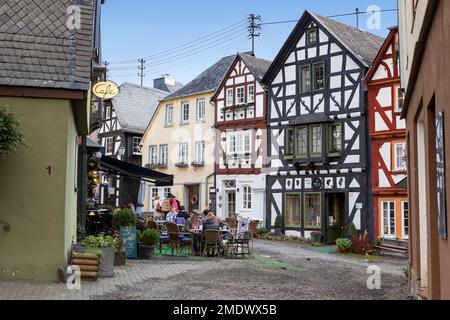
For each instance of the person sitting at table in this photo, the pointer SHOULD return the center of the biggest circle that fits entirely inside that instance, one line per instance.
(205, 214)
(183, 213)
(222, 225)
(171, 216)
(194, 225)
(211, 222)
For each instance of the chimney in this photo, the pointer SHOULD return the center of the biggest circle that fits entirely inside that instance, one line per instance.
(164, 82)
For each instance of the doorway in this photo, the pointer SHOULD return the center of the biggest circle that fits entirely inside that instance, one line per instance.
(193, 197)
(335, 215)
(231, 203)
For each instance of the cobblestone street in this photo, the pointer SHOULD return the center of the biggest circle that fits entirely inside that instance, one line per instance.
(278, 271)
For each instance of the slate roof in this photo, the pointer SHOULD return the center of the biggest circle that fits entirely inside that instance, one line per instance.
(172, 89)
(258, 67)
(37, 49)
(207, 81)
(135, 106)
(364, 45)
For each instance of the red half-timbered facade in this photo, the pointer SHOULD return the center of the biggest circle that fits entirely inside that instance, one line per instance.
(241, 124)
(388, 143)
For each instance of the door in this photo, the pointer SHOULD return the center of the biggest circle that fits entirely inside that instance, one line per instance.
(335, 204)
(194, 198)
(231, 203)
(388, 220)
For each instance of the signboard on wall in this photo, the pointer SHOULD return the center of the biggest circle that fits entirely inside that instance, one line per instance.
(440, 175)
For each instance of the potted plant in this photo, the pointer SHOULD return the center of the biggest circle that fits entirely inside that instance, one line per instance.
(125, 220)
(106, 244)
(316, 236)
(278, 226)
(344, 245)
(148, 241)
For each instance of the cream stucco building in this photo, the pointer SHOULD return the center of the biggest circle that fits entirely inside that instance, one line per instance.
(180, 141)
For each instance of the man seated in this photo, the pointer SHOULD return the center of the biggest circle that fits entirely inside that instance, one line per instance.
(211, 222)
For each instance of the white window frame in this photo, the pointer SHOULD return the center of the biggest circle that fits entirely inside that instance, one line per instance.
(107, 139)
(163, 154)
(137, 146)
(153, 155)
(403, 220)
(247, 197)
(200, 152)
(389, 234)
(240, 100)
(184, 106)
(108, 112)
(251, 95)
(201, 109)
(229, 95)
(397, 90)
(183, 153)
(237, 142)
(396, 156)
(169, 115)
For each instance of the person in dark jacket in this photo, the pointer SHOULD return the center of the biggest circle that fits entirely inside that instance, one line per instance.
(183, 213)
(211, 222)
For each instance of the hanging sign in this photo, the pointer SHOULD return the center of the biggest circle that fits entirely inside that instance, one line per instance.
(105, 90)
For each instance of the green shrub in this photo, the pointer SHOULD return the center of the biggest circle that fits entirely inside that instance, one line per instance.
(262, 231)
(352, 230)
(99, 253)
(344, 243)
(149, 237)
(100, 241)
(11, 135)
(125, 217)
(139, 235)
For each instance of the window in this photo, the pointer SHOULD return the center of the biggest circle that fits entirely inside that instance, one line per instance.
(109, 144)
(305, 78)
(185, 112)
(163, 154)
(167, 191)
(230, 184)
(319, 76)
(200, 109)
(302, 141)
(316, 140)
(240, 95)
(335, 139)
(290, 142)
(312, 212)
(239, 142)
(137, 145)
(399, 156)
(311, 36)
(247, 194)
(108, 113)
(405, 218)
(293, 210)
(152, 155)
(169, 115)
(230, 97)
(154, 192)
(399, 98)
(388, 208)
(200, 152)
(251, 93)
(183, 153)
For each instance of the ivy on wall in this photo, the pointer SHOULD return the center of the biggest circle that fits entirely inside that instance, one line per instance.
(11, 135)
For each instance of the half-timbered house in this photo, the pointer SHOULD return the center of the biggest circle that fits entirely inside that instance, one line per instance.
(241, 129)
(124, 121)
(318, 180)
(388, 143)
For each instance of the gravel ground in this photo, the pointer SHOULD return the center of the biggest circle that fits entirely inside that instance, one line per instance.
(280, 271)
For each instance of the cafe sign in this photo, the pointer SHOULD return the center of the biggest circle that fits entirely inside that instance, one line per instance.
(105, 90)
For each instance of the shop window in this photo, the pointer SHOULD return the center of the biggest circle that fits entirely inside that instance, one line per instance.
(293, 210)
(312, 213)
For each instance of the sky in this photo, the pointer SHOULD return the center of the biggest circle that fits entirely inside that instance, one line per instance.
(184, 37)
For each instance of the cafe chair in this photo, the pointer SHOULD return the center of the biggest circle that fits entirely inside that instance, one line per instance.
(244, 244)
(211, 240)
(178, 240)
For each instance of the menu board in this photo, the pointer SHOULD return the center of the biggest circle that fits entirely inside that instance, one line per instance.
(129, 237)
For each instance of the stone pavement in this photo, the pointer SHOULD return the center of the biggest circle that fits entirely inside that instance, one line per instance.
(135, 272)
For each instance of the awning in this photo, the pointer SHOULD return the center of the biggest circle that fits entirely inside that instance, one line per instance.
(123, 168)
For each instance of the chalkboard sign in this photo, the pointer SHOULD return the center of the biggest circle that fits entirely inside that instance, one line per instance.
(129, 237)
(440, 174)
(212, 200)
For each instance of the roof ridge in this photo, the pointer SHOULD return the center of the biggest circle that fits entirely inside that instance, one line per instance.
(142, 87)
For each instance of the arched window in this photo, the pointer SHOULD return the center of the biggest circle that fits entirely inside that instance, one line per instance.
(247, 194)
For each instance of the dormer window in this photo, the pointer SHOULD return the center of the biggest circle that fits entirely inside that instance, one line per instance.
(311, 36)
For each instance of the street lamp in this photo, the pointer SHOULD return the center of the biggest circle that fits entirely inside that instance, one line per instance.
(121, 152)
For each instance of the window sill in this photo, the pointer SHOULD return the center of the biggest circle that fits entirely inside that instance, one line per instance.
(181, 165)
(334, 155)
(168, 125)
(200, 121)
(184, 123)
(198, 164)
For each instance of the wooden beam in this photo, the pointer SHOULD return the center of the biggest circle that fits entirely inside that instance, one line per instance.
(44, 93)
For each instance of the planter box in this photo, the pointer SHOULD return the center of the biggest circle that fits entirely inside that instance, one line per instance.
(106, 268)
(146, 252)
(120, 258)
